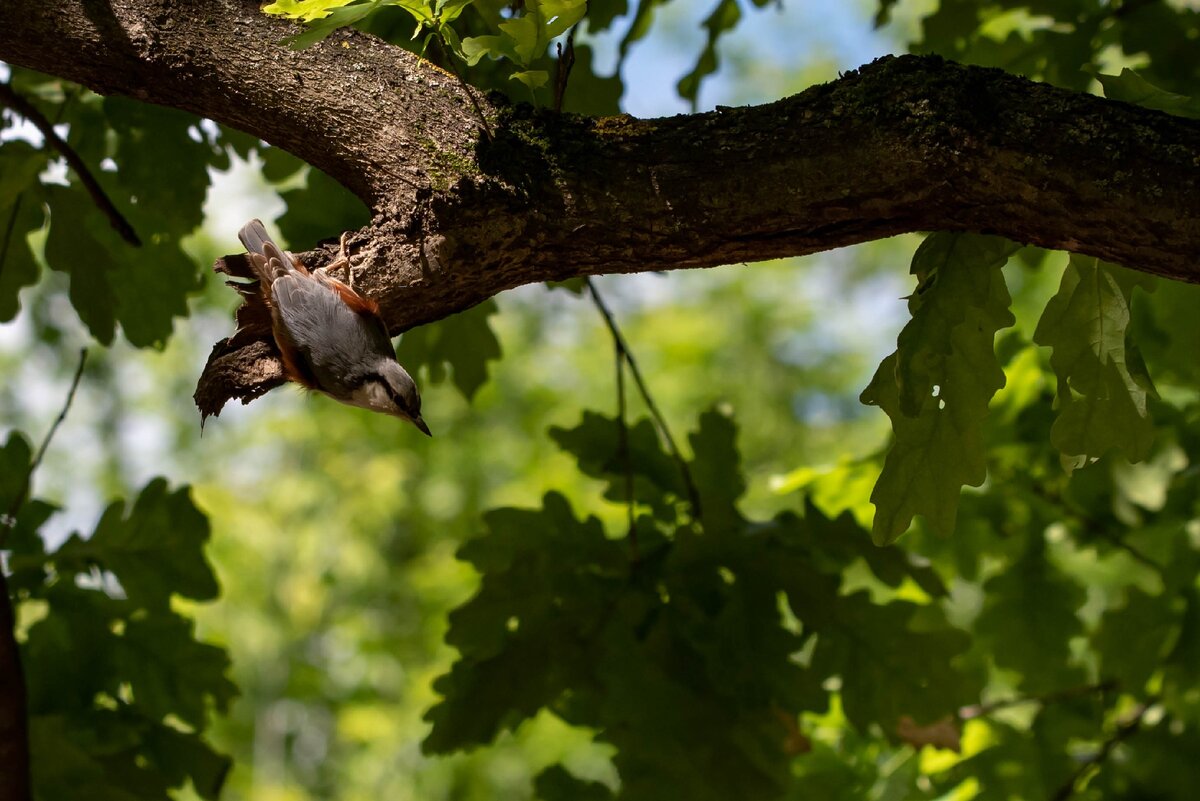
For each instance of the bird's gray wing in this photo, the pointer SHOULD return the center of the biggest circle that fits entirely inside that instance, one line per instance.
(337, 343)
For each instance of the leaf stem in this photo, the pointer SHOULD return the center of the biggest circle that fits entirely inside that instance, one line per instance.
(1124, 731)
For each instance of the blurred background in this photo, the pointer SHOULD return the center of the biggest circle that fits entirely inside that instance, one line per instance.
(334, 531)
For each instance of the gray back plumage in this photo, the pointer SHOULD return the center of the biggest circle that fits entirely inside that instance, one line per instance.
(340, 345)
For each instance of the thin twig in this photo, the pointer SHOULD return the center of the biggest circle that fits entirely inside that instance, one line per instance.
(8, 230)
(562, 70)
(9, 521)
(623, 448)
(981, 710)
(1097, 528)
(661, 422)
(1125, 730)
(1138, 556)
(21, 106)
(487, 128)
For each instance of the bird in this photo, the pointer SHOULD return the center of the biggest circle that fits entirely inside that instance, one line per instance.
(331, 338)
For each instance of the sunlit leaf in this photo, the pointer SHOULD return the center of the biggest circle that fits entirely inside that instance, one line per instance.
(306, 10)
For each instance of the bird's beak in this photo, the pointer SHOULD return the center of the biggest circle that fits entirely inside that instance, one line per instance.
(420, 424)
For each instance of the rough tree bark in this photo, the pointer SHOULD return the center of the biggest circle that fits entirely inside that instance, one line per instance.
(460, 214)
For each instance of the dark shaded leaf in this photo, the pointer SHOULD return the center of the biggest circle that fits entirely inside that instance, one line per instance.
(155, 550)
(937, 385)
(463, 343)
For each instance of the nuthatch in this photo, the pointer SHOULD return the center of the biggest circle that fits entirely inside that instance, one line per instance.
(331, 338)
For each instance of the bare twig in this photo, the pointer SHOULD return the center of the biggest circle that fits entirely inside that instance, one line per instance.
(562, 70)
(1096, 527)
(6, 239)
(623, 447)
(661, 422)
(9, 521)
(21, 106)
(1125, 730)
(982, 710)
(487, 128)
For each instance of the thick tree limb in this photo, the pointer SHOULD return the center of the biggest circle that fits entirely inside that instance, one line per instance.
(905, 144)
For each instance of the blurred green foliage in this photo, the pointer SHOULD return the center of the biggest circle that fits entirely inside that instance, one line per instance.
(474, 617)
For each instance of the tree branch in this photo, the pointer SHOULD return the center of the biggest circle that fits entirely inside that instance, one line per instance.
(904, 144)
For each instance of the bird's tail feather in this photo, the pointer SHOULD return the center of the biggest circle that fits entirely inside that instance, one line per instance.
(268, 259)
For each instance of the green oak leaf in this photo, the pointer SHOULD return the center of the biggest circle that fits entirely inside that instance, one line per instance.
(464, 343)
(1131, 87)
(556, 783)
(170, 672)
(724, 18)
(163, 165)
(522, 637)
(155, 550)
(321, 209)
(524, 38)
(1030, 613)
(1133, 640)
(716, 470)
(21, 213)
(74, 248)
(937, 385)
(110, 279)
(958, 284)
(534, 79)
(893, 662)
(305, 10)
(595, 444)
(1103, 387)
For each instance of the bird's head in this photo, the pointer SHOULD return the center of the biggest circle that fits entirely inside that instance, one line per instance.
(389, 389)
